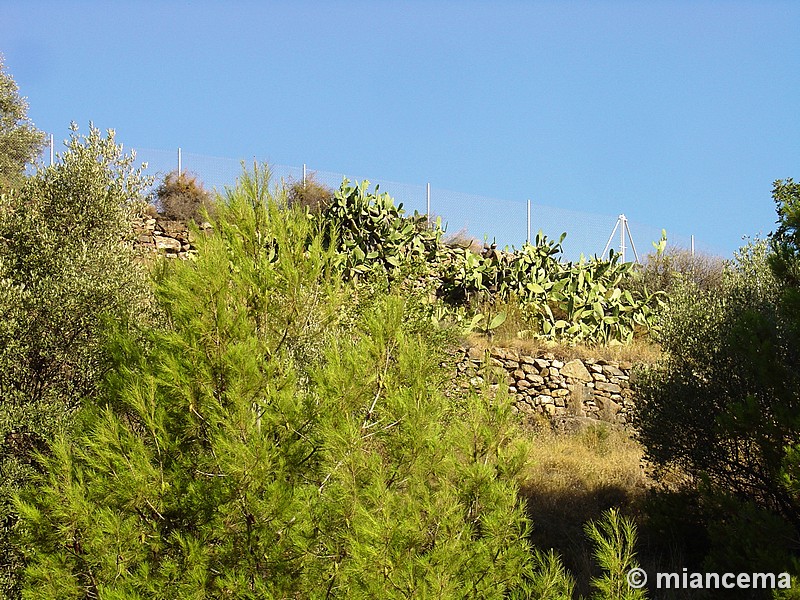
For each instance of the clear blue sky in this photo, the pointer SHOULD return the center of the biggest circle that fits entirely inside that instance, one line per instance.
(678, 114)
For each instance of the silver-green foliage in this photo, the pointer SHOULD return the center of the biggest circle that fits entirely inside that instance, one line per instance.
(65, 270)
(20, 141)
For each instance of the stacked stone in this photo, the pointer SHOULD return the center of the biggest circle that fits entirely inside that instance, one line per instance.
(579, 388)
(172, 238)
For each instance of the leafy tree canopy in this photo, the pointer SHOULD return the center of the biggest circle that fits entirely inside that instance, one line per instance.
(20, 141)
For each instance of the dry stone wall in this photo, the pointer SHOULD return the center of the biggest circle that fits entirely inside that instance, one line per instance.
(577, 389)
(172, 238)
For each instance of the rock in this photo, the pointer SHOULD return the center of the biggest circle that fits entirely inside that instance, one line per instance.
(475, 354)
(167, 243)
(575, 369)
(609, 410)
(579, 394)
(608, 387)
(534, 379)
(612, 371)
(556, 364)
(172, 227)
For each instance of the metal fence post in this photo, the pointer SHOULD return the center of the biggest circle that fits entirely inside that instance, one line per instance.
(428, 201)
(528, 238)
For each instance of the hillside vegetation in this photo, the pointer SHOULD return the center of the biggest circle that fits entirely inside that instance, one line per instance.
(276, 417)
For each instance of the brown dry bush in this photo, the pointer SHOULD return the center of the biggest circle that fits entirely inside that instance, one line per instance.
(462, 239)
(310, 194)
(665, 271)
(182, 197)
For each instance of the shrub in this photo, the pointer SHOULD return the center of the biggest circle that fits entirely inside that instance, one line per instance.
(65, 272)
(20, 141)
(462, 239)
(668, 270)
(182, 197)
(614, 538)
(376, 239)
(724, 405)
(579, 302)
(309, 194)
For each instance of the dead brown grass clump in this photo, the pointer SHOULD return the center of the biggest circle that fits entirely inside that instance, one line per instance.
(462, 239)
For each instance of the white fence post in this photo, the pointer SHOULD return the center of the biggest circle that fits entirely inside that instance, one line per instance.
(528, 238)
(304, 174)
(52, 150)
(428, 201)
(179, 162)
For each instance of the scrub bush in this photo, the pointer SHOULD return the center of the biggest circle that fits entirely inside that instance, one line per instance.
(182, 197)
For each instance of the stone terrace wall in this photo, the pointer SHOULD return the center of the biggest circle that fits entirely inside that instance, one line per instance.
(544, 385)
(158, 234)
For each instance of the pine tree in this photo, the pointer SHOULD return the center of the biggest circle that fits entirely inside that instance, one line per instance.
(258, 447)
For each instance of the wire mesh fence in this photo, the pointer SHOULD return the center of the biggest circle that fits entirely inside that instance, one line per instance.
(488, 220)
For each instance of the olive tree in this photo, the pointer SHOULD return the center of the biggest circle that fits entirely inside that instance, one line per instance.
(724, 406)
(67, 269)
(20, 141)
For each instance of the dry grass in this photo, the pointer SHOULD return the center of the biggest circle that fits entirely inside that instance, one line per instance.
(640, 350)
(571, 479)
